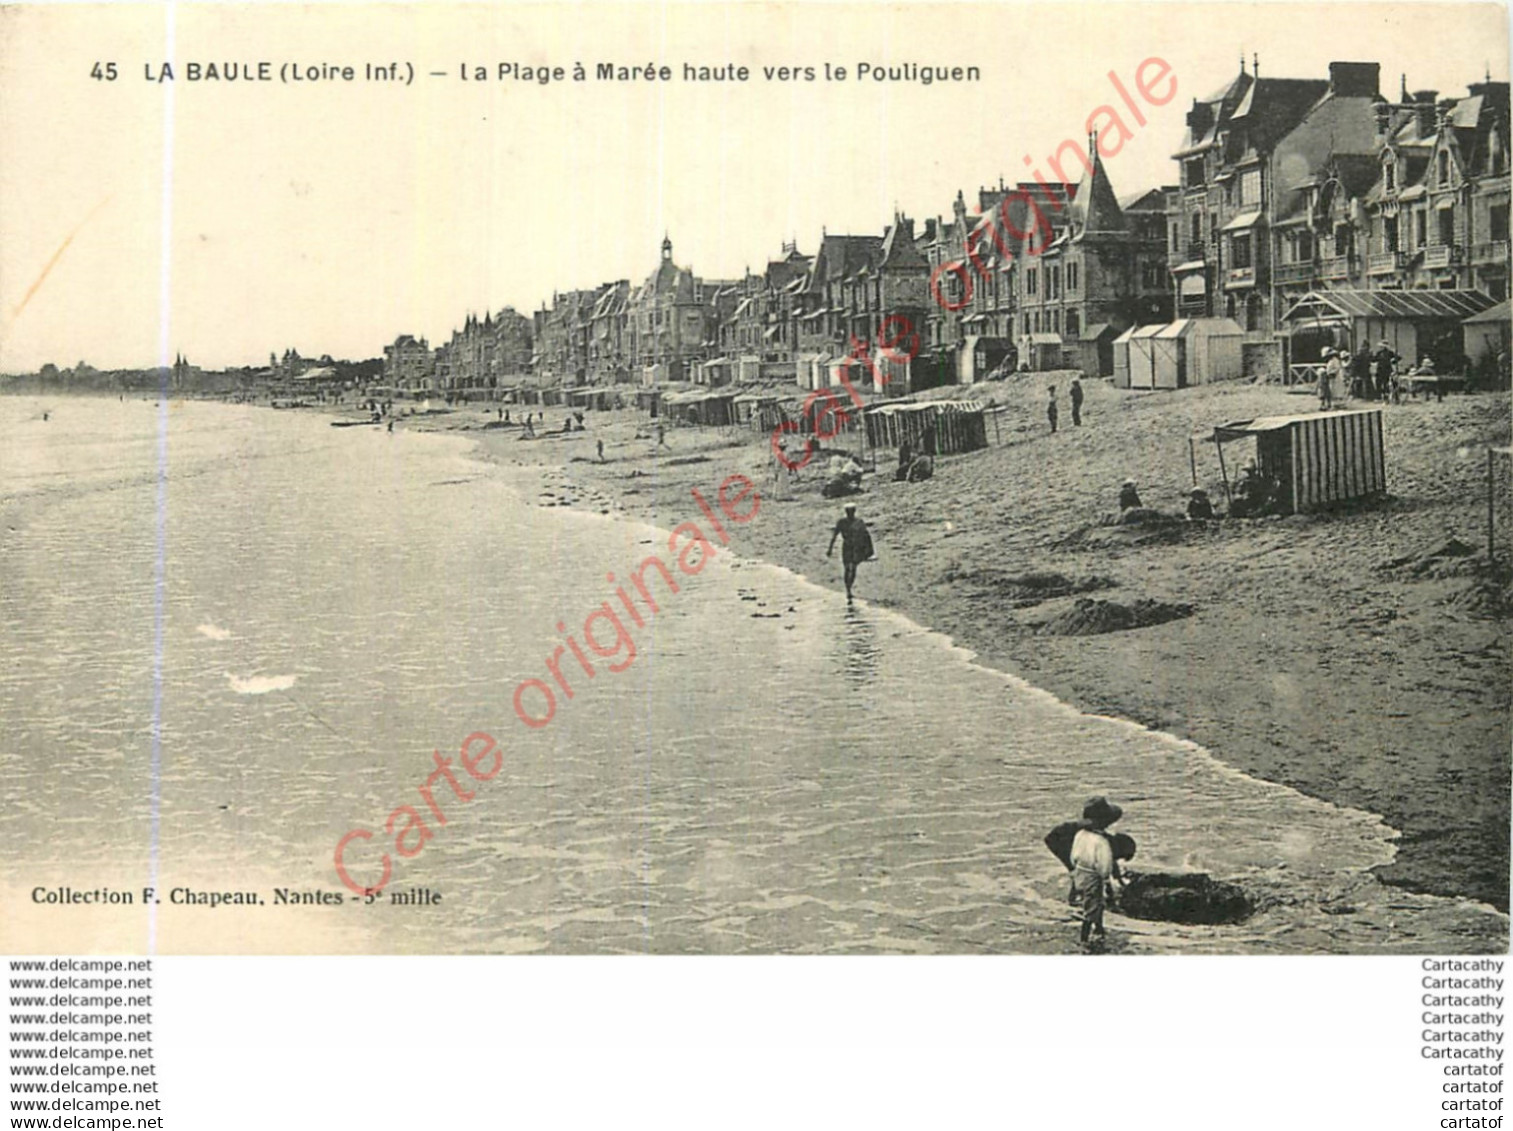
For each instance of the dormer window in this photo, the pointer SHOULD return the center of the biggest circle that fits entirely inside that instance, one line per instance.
(1444, 167)
(1389, 172)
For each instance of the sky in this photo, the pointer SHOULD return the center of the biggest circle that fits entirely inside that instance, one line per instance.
(227, 220)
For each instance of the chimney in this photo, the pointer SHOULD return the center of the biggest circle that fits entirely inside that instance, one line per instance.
(1442, 112)
(1199, 119)
(1355, 80)
(1423, 109)
(1383, 112)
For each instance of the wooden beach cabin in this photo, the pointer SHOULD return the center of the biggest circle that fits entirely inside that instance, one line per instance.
(810, 370)
(712, 407)
(1318, 459)
(1135, 357)
(1041, 351)
(1197, 351)
(1488, 334)
(1093, 350)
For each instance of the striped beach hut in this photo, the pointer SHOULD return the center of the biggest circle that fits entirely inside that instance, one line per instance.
(1317, 459)
(931, 427)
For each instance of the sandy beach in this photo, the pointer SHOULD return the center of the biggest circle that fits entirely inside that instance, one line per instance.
(1309, 658)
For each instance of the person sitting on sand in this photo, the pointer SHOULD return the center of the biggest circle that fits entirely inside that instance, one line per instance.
(905, 457)
(1129, 497)
(1426, 369)
(1254, 493)
(1199, 509)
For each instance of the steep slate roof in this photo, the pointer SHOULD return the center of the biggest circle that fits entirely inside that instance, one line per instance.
(1147, 200)
(1094, 207)
(1336, 137)
(1020, 227)
(781, 272)
(843, 256)
(898, 249)
(1272, 106)
(1268, 108)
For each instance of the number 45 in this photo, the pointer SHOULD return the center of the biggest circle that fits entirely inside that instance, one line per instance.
(106, 71)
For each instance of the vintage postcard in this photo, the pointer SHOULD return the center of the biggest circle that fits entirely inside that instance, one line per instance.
(755, 479)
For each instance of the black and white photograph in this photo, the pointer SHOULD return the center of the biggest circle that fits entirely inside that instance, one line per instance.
(753, 502)
(956, 529)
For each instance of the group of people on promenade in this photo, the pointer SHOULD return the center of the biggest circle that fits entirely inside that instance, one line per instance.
(1376, 375)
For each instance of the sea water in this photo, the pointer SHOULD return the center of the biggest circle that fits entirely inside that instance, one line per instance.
(232, 636)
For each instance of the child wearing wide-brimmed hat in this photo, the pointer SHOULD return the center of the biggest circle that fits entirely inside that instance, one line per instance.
(1094, 866)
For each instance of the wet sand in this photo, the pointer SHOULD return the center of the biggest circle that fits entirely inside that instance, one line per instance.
(1306, 660)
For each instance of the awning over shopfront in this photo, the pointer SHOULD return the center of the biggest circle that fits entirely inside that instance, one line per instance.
(1243, 220)
(1416, 305)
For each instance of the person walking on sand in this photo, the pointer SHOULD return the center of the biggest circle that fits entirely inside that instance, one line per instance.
(1076, 402)
(601, 451)
(856, 545)
(1050, 410)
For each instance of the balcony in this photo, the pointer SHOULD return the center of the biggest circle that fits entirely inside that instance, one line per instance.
(1193, 251)
(1240, 277)
(1335, 267)
(1443, 255)
(1384, 263)
(1494, 252)
(1295, 273)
